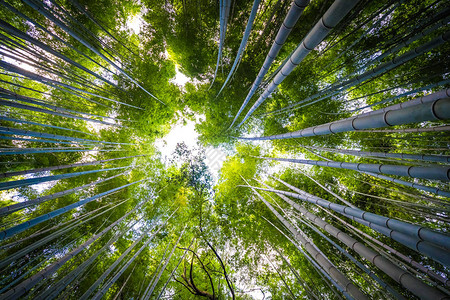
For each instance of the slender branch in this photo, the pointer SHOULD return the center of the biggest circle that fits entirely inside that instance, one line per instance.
(187, 287)
(221, 263)
(190, 275)
(203, 267)
(281, 277)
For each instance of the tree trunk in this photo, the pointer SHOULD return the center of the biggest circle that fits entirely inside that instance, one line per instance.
(243, 42)
(31, 223)
(343, 281)
(430, 111)
(338, 10)
(294, 13)
(25, 286)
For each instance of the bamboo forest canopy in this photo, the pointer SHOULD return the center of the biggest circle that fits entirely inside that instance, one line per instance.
(227, 149)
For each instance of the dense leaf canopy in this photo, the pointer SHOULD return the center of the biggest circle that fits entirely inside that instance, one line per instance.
(330, 188)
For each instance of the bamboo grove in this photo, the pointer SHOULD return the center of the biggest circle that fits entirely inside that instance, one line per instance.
(333, 115)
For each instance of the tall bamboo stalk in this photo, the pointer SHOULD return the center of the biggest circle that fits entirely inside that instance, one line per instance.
(408, 281)
(243, 44)
(420, 157)
(31, 223)
(338, 10)
(18, 206)
(70, 225)
(85, 12)
(441, 239)
(16, 32)
(305, 286)
(320, 258)
(353, 259)
(416, 237)
(422, 187)
(405, 258)
(173, 271)
(105, 274)
(16, 131)
(46, 13)
(61, 167)
(22, 288)
(434, 173)
(11, 8)
(222, 30)
(30, 181)
(409, 113)
(155, 282)
(42, 125)
(106, 287)
(294, 13)
(357, 79)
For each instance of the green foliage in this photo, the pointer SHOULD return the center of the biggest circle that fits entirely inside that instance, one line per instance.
(236, 245)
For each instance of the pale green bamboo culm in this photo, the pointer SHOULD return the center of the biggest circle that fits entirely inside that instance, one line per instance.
(426, 241)
(420, 157)
(118, 261)
(439, 238)
(21, 205)
(31, 223)
(290, 20)
(46, 13)
(343, 84)
(345, 283)
(155, 282)
(224, 11)
(433, 172)
(55, 234)
(66, 280)
(174, 270)
(407, 280)
(106, 287)
(36, 180)
(248, 28)
(337, 11)
(429, 111)
(91, 163)
(25, 286)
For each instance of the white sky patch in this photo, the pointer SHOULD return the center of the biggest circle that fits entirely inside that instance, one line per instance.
(257, 294)
(12, 194)
(134, 23)
(214, 160)
(96, 127)
(166, 54)
(43, 186)
(19, 64)
(178, 134)
(180, 79)
(186, 133)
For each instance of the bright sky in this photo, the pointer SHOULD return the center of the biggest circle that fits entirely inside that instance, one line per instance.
(134, 23)
(19, 64)
(180, 79)
(179, 133)
(187, 134)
